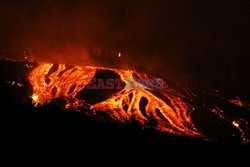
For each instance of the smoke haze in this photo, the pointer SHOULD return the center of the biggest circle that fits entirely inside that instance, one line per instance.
(193, 42)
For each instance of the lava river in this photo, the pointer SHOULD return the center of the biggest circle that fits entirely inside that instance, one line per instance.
(166, 109)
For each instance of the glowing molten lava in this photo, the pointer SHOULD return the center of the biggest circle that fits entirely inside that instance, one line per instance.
(168, 114)
(168, 109)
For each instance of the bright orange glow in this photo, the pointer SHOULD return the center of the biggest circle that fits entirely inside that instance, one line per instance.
(235, 124)
(35, 98)
(50, 81)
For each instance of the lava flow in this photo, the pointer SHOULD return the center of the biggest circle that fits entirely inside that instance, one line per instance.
(165, 109)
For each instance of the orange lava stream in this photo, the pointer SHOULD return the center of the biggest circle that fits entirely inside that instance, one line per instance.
(65, 82)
